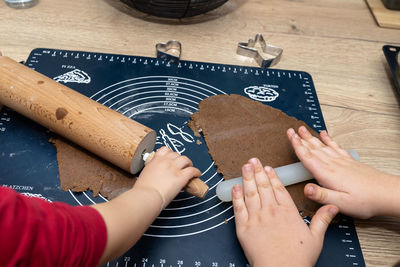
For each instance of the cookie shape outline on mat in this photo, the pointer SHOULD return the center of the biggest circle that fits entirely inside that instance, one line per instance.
(74, 76)
(261, 93)
(36, 196)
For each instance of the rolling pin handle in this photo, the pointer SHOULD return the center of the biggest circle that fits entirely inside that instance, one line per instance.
(195, 187)
(147, 157)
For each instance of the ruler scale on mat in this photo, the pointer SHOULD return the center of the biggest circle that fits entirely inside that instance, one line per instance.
(190, 231)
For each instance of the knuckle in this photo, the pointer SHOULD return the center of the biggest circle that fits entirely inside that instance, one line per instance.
(263, 185)
(344, 152)
(258, 218)
(196, 172)
(237, 206)
(325, 219)
(345, 198)
(162, 150)
(250, 193)
(271, 211)
(308, 154)
(315, 140)
(322, 195)
(258, 168)
(190, 170)
(333, 143)
(186, 159)
(248, 177)
(279, 187)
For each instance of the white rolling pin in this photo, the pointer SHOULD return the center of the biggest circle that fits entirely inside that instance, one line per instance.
(289, 174)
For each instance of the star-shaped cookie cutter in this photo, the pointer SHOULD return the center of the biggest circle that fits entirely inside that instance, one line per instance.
(248, 50)
(170, 51)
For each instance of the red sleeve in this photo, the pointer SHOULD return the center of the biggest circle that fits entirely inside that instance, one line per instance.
(34, 232)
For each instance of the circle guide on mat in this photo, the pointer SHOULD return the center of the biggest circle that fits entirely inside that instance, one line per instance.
(162, 96)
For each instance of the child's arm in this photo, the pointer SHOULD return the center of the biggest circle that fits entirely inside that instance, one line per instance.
(128, 216)
(268, 224)
(357, 189)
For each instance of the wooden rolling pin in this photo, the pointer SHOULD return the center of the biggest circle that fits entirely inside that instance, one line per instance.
(97, 128)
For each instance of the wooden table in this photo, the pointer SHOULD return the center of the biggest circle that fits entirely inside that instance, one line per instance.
(336, 41)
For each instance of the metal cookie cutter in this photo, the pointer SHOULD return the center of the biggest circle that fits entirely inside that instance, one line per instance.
(269, 56)
(171, 51)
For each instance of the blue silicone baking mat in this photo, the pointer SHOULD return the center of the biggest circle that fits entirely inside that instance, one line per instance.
(190, 231)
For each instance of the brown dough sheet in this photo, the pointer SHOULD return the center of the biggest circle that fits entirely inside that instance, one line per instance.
(80, 170)
(236, 129)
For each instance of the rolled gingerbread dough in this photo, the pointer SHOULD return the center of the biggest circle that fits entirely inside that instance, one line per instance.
(236, 129)
(80, 170)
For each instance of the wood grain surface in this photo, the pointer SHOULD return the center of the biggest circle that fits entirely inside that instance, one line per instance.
(385, 17)
(337, 41)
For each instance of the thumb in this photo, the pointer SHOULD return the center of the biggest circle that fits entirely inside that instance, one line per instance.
(324, 195)
(322, 219)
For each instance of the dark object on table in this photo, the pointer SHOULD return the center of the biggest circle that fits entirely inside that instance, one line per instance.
(174, 8)
(392, 4)
(392, 54)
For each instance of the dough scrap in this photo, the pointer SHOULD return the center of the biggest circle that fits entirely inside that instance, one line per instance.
(80, 170)
(236, 129)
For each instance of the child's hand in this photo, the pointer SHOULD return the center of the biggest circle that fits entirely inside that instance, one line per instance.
(357, 189)
(167, 173)
(268, 224)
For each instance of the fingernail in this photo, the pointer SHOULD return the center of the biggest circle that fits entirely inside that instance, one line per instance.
(333, 211)
(247, 167)
(268, 169)
(236, 191)
(236, 188)
(291, 131)
(253, 160)
(310, 190)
